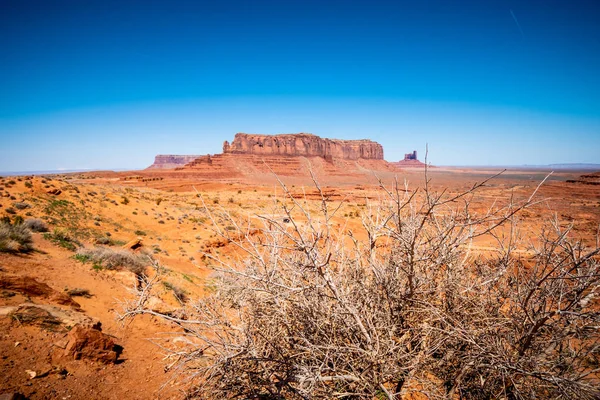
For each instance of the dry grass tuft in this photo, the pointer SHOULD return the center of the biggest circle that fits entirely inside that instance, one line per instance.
(15, 238)
(114, 259)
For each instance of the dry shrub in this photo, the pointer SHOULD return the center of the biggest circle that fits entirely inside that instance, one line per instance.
(15, 238)
(35, 225)
(311, 311)
(114, 259)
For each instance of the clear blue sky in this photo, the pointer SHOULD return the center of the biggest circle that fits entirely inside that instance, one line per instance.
(109, 84)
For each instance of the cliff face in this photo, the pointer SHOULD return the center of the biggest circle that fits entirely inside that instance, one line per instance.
(163, 161)
(303, 144)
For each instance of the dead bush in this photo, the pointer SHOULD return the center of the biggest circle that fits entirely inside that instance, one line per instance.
(15, 238)
(114, 258)
(310, 310)
(35, 225)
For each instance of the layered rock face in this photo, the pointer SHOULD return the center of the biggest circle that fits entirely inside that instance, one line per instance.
(163, 161)
(305, 145)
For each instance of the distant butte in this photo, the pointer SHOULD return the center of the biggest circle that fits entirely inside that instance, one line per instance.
(410, 160)
(284, 154)
(164, 161)
(304, 144)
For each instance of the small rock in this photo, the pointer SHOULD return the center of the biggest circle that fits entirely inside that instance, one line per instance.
(90, 343)
(133, 244)
(12, 396)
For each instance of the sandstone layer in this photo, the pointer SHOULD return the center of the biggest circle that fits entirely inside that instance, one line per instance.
(305, 145)
(169, 161)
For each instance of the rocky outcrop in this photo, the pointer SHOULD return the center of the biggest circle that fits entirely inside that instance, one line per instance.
(163, 161)
(305, 145)
(29, 286)
(92, 344)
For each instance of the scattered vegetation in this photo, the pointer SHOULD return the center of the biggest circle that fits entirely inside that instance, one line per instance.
(62, 238)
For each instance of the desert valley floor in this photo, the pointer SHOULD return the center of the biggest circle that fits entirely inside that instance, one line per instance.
(172, 215)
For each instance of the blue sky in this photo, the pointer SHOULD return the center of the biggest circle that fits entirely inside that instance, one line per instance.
(90, 84)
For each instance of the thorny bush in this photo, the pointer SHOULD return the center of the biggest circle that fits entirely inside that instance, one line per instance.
(310, 310)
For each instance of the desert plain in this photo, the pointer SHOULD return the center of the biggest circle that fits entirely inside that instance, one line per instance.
(172, 215)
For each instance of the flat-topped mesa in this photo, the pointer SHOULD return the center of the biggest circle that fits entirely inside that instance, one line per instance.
(303, 144)
(169, 161)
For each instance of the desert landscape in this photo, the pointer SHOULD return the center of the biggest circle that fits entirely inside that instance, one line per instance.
(102, 273)
(299, 200)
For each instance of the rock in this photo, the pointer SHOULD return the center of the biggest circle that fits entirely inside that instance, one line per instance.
(47, 316)
(133, 244)
(157, 305)
(304, 144)
(12, 396)
(163, 161)
(91, 344)
(55, 192)
(31, 287)
(33, 315)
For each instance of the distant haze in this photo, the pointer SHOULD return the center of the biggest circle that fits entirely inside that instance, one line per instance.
(104, 84)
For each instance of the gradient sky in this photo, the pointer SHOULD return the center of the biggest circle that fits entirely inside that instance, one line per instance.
(109, 84)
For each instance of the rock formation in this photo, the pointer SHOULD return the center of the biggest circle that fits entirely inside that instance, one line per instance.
(299, 155)
(410, 160)
(164, 161)
(305, 145)
(411, 156)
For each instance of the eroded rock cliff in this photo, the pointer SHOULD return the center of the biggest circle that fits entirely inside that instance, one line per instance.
(303, 144)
